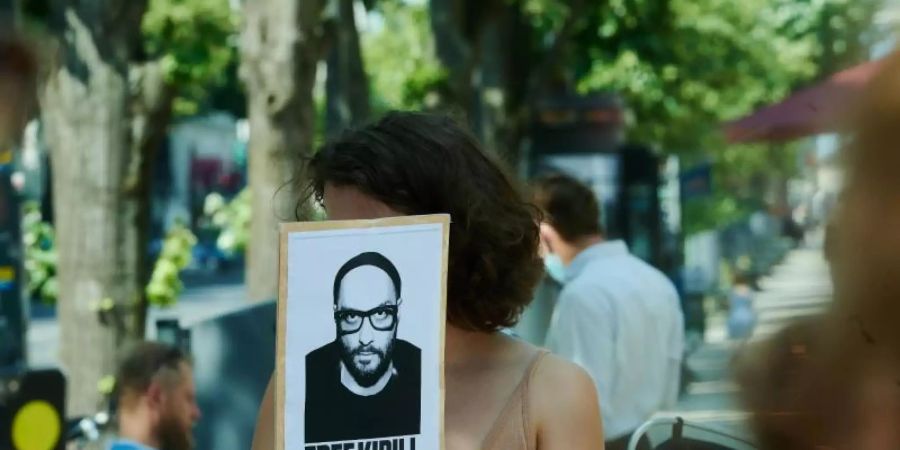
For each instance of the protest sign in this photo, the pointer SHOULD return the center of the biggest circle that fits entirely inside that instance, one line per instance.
(361, 316)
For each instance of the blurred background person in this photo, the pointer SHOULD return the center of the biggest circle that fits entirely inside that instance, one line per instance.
(617, 316)
(156, 401)
(741, 315)
(834, 381)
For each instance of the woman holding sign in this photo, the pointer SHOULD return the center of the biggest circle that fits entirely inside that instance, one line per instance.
(501, 393)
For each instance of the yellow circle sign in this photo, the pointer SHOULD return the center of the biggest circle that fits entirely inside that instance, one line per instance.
(36, 427)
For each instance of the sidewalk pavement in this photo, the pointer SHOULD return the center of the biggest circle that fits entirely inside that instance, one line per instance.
(798, 287)
(194, 304)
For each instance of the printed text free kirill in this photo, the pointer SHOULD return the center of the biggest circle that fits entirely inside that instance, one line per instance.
(378, 444)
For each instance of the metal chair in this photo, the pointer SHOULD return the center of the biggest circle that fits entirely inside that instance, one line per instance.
(676, 434)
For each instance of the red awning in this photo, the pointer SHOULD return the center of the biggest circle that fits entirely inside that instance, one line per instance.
(814, 110)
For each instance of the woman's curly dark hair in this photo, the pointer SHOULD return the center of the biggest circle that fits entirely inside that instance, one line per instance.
(420, 163)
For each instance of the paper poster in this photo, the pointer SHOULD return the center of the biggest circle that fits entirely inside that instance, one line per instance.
(361, 318)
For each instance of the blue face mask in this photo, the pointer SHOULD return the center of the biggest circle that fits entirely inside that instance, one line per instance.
(555, 267)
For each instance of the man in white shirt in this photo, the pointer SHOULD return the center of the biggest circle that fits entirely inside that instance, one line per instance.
(617, 316)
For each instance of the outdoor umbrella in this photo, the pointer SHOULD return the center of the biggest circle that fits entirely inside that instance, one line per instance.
(816, 109)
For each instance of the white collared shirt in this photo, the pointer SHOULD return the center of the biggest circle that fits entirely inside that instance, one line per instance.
(620, 319)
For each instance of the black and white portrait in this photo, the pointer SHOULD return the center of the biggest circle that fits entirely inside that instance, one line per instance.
(366, 368)
(361, 323)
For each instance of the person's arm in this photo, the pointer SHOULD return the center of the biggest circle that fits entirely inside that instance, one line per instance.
(264, 434)
(565, 407)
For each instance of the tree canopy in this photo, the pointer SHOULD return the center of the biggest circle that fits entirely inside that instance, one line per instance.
(398, 50)
(683, 67)
(195, 42)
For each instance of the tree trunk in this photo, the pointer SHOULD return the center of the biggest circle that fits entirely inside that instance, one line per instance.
(151, 113)
(475, 41)
(347, 87)
(492, 90)
(281, 47)
(524, 74)
(85, 106)
(455, 50)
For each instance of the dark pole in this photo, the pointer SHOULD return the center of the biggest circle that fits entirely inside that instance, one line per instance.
(12, 305)
(16, 67)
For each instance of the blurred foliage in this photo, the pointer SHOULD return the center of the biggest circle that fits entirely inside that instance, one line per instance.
(713, 213)
(41, 260)
(685, 67)
(165, 284)
(194, 40)
(739, 176)
(231, 218)
(40, 254)
(229, 96)
(107, 385)
(398, 51)
(196, 43)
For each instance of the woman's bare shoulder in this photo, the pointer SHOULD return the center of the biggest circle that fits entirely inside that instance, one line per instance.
(564, 377)
(565, 406)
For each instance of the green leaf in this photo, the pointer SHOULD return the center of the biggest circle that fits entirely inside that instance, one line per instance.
(106, 385)
(232, 220)
(106, 304)
(213, 203)
(165, 284)
(50, 290)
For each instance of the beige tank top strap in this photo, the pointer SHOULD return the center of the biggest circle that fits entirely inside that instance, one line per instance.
(524, 393)
(512, 428)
